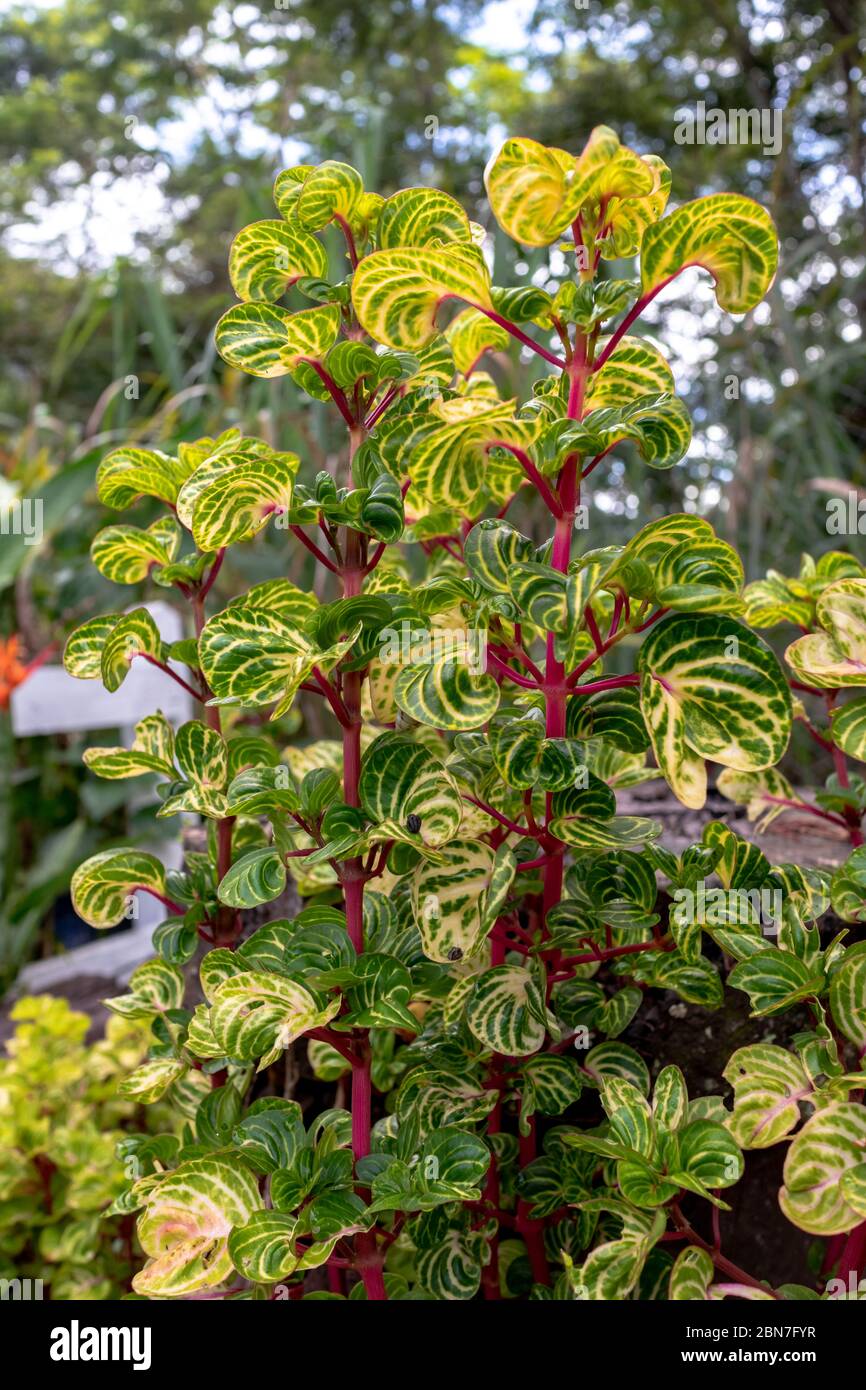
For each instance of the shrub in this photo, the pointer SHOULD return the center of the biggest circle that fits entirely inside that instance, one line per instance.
(60, 1123)
(481, 925)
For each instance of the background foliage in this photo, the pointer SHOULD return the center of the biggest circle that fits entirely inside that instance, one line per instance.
(134, 143)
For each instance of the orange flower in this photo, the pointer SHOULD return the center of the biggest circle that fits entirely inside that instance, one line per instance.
(12, 672)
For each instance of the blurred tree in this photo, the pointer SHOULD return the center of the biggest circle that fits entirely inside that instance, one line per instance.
(184, 111)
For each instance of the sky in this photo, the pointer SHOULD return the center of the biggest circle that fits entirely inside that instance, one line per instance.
(114, 211)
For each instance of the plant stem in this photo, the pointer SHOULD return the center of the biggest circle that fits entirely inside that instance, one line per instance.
(718, 1259)
(367, 1257)
(521, 337)
(541, 484)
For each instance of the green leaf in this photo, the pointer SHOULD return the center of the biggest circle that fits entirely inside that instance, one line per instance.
(774, 980)
(267, 257)
(730, 236)
(710, 688)
(103, 885)
(186, 1223)
(506, 1011)
(397, 293)
(828, 1146)
(264, 340)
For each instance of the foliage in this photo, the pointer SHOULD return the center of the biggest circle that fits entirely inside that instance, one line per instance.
(476, 908)
(61, 1122)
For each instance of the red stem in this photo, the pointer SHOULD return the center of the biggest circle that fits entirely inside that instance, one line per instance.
(541, 484)
(313, 549)
(214, 571)
(520, 335)
(196, 694)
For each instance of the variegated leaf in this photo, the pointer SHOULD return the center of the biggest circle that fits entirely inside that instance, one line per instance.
(152, 751)
(135, 634)
(828, 1146)
(237, 503)
(730, 236)
(772, 601)
(536, 192)
(154, 988)
(102, 887)
(764, 794)
(186, 1223)
(267, 257)
(768, 1083)
(264, 340)
(492, 549)
(848, 996)
(127, 554)
(446, 695)
(421, 217)
(257, 877)
(711, 689)
(506, 1011)
(774, 980)
(635, 368)
(397, 293)
(691, 1276)
(150, 1081)
(451, 1269)
(848, 888)
(400, 784)
(471, 334)
(849, 728)
(252, 656)
(257, 1015)
(450, 900)
(126, 474)
(317, 195)
(82, 655)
